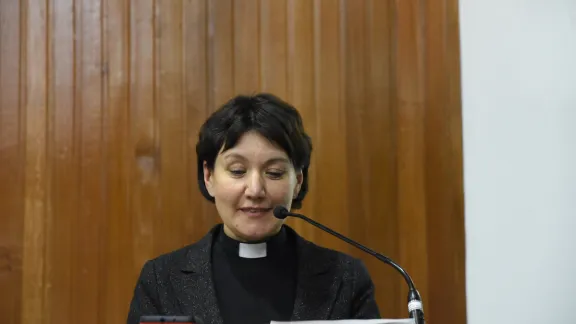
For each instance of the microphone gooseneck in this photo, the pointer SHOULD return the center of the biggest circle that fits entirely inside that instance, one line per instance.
(415, 308)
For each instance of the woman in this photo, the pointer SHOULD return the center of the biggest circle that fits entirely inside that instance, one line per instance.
(253, 155)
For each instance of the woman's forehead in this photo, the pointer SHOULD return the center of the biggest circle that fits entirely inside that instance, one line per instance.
(253, 144)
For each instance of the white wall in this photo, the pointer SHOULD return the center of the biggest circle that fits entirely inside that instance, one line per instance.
(519, 107)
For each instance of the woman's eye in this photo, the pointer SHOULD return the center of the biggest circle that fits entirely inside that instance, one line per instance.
(275, 174)
(237, 172)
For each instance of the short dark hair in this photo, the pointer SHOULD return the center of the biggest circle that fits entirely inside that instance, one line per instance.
(266, 114)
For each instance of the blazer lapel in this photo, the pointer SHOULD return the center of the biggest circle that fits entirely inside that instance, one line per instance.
(194, 286)
(318, 282)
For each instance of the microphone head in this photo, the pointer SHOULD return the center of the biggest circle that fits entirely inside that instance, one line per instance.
(280, 212)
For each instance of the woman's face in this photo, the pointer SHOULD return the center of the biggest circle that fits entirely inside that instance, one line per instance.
(247, 182)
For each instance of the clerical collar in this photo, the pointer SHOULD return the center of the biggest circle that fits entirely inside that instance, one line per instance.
(273, 245)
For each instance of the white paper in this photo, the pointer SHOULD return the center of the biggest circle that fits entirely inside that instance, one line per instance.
(355, 321)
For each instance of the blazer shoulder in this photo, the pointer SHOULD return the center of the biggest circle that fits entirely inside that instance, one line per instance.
(191, 257)
(358, 287)
(186, 256)
(342, 262)
(172, 258)
(350, 263)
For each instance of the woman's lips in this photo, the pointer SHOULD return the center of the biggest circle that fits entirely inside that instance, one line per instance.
(255, 212)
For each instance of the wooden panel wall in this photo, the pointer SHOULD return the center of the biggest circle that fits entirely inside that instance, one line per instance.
(101, 101)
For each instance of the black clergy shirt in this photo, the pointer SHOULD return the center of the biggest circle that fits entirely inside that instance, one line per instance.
(255, 290)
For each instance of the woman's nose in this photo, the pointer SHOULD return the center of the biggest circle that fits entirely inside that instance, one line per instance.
(255, 188)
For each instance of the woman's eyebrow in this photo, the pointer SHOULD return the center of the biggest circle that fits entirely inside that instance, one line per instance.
(278, 159)
(229, 156)
(243, 158)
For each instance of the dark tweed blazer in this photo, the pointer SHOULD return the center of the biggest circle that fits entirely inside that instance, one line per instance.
(331, 285)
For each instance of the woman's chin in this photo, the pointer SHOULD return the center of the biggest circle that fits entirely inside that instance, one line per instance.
(255, 231)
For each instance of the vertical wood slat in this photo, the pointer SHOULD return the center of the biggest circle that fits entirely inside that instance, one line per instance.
(410, 144)
(443, 121)
(331, 134)
(88, 222)
(381, 86)
(117, 262)
(196, 98)
(171, 123)
(301, 89)
(34, 107)
(113, 94)
(145, 160)
(220, 52)
(358, 149)
(379, 226)
(246, 46)
(272, 18)
(11, 163)
(64, 166)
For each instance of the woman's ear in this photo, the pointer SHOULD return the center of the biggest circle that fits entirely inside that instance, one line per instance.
(299, 180)
(208, 178)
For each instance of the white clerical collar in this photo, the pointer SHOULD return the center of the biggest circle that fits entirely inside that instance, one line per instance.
(252, 250)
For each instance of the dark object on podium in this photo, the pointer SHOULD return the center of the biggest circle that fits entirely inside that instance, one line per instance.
(159, 319)
(414, 300)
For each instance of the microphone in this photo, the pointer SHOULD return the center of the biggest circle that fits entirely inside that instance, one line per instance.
(415, 308)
